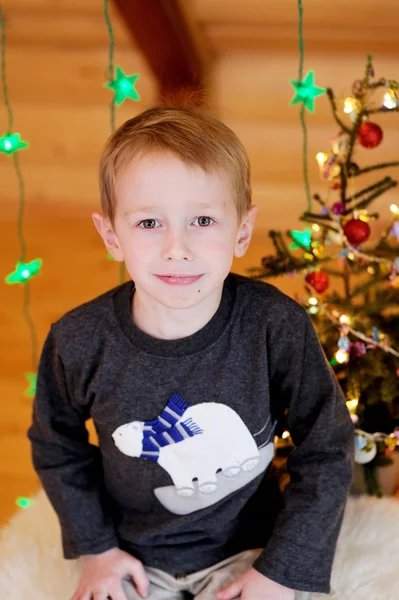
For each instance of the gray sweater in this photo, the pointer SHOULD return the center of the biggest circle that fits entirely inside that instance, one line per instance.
(180, 478)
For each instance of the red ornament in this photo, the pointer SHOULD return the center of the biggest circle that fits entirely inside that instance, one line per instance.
(370, 135)
(318, 280)
(356, 231)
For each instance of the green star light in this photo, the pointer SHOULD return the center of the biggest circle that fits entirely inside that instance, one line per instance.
(123, 86)
(23, 502)
(306, 91)
(24, 271)
(31, 389)
(301, 239)
(11, 142)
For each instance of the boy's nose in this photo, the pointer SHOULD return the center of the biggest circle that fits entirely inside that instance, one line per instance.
(176, 247)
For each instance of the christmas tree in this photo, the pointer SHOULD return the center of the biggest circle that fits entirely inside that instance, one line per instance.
(358, 322)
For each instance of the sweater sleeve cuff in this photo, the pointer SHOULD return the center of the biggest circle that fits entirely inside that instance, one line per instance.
(96, 546)
(292, 575)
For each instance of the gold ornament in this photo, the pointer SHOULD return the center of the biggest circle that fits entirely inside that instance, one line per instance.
(385, 268)
(395, 282)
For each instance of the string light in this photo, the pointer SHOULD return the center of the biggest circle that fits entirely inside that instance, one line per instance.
(341, 356)
(344, 319)
(11, 143)
(313, 306)
(351, 105)
(24, 271)
(390, 100)
(302, 111)
(333, 316)
(123, 86)
(394, 209)
(23, 502)
(306, 91)
(31, 389)
(321, 158)
(363, 216)
(352, 404)
(302, 239)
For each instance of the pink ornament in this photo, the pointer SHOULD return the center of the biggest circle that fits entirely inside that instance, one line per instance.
(358, 349)
(338, 208)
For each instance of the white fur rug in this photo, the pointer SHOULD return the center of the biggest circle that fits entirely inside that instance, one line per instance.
(366, 565)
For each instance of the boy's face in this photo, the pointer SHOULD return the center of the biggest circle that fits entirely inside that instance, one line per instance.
(176, 228)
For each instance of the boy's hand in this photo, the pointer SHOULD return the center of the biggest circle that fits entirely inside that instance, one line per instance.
(103, 573)
(255, 586)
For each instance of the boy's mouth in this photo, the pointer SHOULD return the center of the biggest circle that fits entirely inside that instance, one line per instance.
(178, 279)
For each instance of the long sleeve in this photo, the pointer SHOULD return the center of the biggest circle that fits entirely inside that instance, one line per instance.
(300, 552)
(69, 468)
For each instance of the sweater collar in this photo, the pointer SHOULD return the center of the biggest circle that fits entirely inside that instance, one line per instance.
(196, 342)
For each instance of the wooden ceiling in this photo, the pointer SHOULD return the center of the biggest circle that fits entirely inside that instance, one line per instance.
(245, 52)
(340, 26)
(227, 25)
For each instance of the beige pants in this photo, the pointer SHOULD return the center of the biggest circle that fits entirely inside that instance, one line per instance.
(202, 585)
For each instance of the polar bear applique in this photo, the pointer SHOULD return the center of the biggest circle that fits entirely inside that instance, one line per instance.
(200, 446)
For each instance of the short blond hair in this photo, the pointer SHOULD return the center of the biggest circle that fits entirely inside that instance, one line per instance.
(196, 138)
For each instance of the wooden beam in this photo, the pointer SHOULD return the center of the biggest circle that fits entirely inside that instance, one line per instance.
(167, 35)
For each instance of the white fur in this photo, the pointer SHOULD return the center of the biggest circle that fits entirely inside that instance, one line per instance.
(366, 564)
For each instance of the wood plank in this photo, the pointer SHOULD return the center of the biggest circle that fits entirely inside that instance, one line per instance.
(232, 37)
(360, 13)
(72, 31)
(73, 77)
(60, 7)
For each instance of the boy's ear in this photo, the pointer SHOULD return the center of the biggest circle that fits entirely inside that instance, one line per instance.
(244, 232)
(110, 239)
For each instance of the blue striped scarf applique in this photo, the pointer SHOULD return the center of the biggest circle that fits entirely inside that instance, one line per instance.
(166, 430)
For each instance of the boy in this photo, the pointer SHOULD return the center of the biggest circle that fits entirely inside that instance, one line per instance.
(186, 371)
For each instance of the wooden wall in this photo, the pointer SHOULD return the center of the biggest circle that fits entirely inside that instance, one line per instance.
(57, 56)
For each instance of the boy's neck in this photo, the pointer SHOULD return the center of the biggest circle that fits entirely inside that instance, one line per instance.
(166, 323)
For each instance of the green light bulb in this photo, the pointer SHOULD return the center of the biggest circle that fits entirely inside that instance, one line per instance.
(123, 86)
(11, 142)
(31, 389)
(24, 503)
(306, 91)
(24, 271)
(302, 239)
